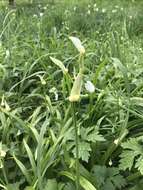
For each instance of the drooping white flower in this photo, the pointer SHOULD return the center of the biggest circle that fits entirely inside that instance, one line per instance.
(89, 86)
(77, 43)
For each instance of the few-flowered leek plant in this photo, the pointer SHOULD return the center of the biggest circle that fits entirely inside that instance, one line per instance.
(75, 97)
(75, 93)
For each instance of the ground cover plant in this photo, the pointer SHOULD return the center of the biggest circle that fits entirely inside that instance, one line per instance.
(71, 95)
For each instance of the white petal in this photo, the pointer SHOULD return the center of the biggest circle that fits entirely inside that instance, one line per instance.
(89, 86)
(77, 43)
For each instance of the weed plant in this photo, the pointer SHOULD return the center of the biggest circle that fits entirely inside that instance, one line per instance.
(47, 140)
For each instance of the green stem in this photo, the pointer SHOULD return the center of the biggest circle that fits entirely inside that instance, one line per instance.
(76, 144)
(4, 174)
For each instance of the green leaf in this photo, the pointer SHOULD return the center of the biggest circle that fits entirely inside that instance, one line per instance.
(51, 185)
(14, 186)
(83, 181)
(23, 169)
(139, 164)
(127, 159)
(31, 157)
(84, 151)
(108, 178)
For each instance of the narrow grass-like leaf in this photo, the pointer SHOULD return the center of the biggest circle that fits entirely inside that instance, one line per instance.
(23, 169)
(31, 157)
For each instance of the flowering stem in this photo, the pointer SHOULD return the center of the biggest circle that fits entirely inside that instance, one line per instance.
(76, 144)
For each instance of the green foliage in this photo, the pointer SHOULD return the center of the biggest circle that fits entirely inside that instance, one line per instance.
(108, 178)
(132, 153)
(37, 136)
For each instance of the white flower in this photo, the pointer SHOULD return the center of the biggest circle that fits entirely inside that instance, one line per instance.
(41, 14)
(74, 8)
(116, 6)
(97, 9)
(110, 163)
(116, 141)
(114, 11)
(35, 16)
(44, 8)
(7, 53)
(54, 91)
(77, 43)
(94, 5)
(89, 6)
(88, 12)
(103, 10)
(122, 8)
(89, 86)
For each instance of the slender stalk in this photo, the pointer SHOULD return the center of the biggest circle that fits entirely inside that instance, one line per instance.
(4, 174)
(76, 144)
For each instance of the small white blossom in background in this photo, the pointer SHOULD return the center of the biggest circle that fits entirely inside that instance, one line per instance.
(122, 8)
(94, 5)
(103, 10)
(89, 6)
(41, 14)
(89, 86)
(116, 6)
(97, 9)
(35, 16)
(7, 53)
(130, 17)
(54, 91)
(75, 8)
(44, 8)
(88, 12)
(114, 11)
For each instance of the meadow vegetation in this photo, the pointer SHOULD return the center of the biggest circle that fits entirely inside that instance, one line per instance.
(71, 111)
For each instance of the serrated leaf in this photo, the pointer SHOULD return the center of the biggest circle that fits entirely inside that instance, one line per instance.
(139, 164)
(108, 178)
(132, 144)
(127, 159)
(84, 151)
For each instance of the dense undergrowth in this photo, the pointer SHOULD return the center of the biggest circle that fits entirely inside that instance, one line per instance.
(37, 137)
